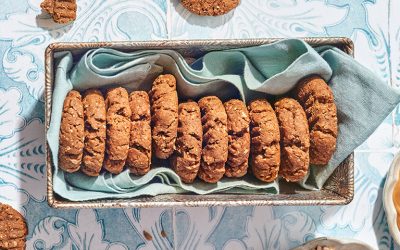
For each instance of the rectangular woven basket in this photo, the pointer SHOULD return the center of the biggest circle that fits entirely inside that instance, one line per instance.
(338, 190)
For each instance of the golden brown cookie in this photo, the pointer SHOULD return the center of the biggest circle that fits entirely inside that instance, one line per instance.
(215, 139)
(95, 132)
(210, 7)
(186, 159)
(164, 115)
(118, 129)
(239, 138)
(13, 228)
(72, 133)
(295, 139)
(139, 156)
(317, 99)
(62, 11)
(265, 137)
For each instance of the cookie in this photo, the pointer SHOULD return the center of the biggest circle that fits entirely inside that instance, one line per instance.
(186, 159)
(95, 132)
(13, 228)
(72, 133)
(215, 139)
(317, 99)
(62, 11)
(295, 139)
(139, 155)
(210, 7)
(118, 129)
(265, 137)
(164, 115)
(239, 138)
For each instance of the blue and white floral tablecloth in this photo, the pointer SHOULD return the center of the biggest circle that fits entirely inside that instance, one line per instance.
(374, 25)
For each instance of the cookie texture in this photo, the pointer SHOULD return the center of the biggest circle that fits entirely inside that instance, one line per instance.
(210, 7)
(317, 99)
(239, 138)
(186, 159)
(215, 139)
(95, 132)
(13, 228)
(164, 115)
(295, 139)
(139, 155)
(71, 133)
(118, 129)
(62, 11)
(265, 138)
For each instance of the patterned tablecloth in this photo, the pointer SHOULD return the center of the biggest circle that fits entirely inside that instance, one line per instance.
(374, 25)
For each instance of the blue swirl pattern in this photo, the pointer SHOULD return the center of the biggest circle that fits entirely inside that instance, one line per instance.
(373, 25)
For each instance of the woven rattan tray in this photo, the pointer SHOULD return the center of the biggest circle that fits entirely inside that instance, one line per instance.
(337, 191)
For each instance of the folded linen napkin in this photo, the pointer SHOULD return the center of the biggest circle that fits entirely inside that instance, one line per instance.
(363, 101)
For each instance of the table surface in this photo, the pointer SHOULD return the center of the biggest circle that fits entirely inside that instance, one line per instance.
(373, 25)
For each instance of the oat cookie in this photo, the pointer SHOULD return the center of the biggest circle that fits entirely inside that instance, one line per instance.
(210, 7)
(239, 138)
(71, 133)
(95, 132)
(13, 228)
(317, 99)
(295, 139)
(265, 137)
(139, 156)
(118, 129)
(215, 139)
(186, 159)
(62, 11)
(164, 115)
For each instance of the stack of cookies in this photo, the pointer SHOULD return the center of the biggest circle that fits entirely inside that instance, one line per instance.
(208, 139)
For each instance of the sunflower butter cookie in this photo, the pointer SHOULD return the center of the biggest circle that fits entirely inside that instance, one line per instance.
(164, 115)
(186, 159)
(13, 228)
(215, 139)
(295, 139)
(139, 156)
(210, 7)
(239, 138)
(318, 102)
(265, 137)
(62, 11)
(95, 132)
(118, 129)
(72, 133)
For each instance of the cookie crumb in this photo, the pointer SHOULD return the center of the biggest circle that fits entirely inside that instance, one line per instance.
(147, 235)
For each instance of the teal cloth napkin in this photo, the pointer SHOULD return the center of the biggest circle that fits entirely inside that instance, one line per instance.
(363, 101)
